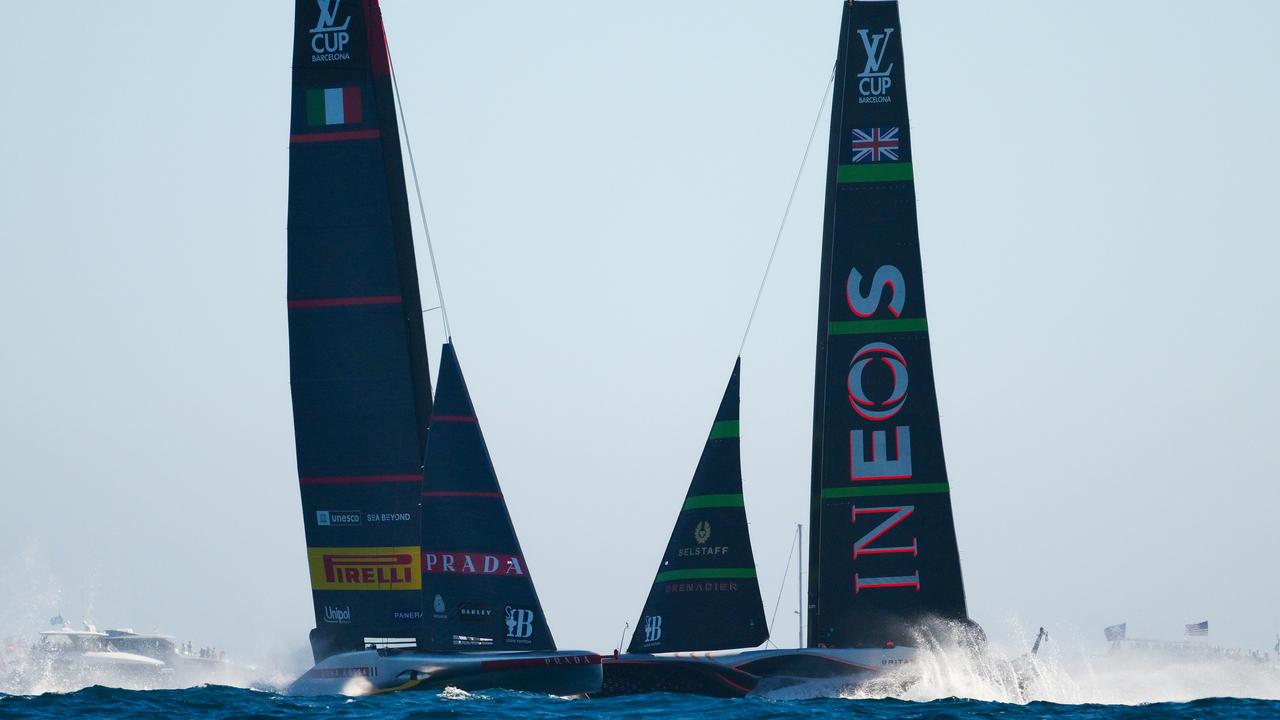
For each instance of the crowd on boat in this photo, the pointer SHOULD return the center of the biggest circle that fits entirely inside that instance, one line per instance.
(64, 656)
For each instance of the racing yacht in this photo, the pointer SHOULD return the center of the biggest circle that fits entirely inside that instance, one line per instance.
(418, 579)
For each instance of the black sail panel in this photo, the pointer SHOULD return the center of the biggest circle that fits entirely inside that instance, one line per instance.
(883, 552)
(360, 386)
(706, 595)
(477, 589)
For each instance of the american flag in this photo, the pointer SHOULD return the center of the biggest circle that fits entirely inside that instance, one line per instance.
(1198, 629)
(874, 144)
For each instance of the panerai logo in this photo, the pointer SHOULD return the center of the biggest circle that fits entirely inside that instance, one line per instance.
(339, 615)
(874, 82)
(328, 38)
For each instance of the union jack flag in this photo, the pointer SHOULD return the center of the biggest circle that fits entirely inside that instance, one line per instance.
(874, 144)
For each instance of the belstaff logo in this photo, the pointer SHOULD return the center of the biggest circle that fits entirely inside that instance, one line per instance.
(702, 533)
(380, 568)
(328, 38)
(519, 624)
(873, 81)
(653, 628)
(438, 606)
(862, 404)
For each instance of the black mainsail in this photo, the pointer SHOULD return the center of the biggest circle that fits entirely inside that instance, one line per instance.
(883, 552)
(358, 362)
(478, 591)
(706, 595)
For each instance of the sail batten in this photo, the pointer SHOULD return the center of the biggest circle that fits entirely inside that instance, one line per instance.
(705, 595)
(883, 555)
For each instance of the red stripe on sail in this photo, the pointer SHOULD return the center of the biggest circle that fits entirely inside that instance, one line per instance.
(342, 302)
(352, 106)
(460, 493)
(373, 134)
(357, 479)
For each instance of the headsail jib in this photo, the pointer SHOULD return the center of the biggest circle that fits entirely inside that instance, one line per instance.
(476, 583)
(882, 547)
(706, 595)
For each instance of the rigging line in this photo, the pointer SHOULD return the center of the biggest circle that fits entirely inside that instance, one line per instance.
(417, 189)
(778, 603)
(817, 120)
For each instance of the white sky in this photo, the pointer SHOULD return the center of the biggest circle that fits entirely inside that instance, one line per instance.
(604, 180)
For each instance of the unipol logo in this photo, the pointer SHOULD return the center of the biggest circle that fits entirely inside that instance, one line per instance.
(339, 615)
(519, 623)
(874, 80)
(328, 38)
(653, 628)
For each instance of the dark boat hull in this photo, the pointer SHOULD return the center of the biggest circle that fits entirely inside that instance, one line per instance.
(821, 671)
(635, 674)
(372, 672)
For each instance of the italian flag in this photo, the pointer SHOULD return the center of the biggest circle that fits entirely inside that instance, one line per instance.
(334, 106)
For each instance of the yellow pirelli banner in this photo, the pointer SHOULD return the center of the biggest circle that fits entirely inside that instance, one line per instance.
(375, 568)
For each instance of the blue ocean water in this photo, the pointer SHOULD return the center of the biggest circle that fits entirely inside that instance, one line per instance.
(226, 702)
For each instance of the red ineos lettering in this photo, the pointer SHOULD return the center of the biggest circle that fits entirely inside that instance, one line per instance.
(896, 515)
(879, 464)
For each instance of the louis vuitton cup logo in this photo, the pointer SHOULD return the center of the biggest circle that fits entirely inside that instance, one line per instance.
(328, 38)
(653, 628)
(874, 81)
(519, 624)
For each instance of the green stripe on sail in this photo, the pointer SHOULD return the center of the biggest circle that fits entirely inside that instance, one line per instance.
(874, 172)
(315, 108)
(867, 327)
(698, 502)
(707, 574)
(882, 490)
(724, 429)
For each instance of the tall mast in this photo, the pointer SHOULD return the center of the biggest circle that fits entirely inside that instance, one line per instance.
(882, 554)
(359, 379)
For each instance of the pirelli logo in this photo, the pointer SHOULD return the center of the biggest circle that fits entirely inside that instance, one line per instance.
(378, 568)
